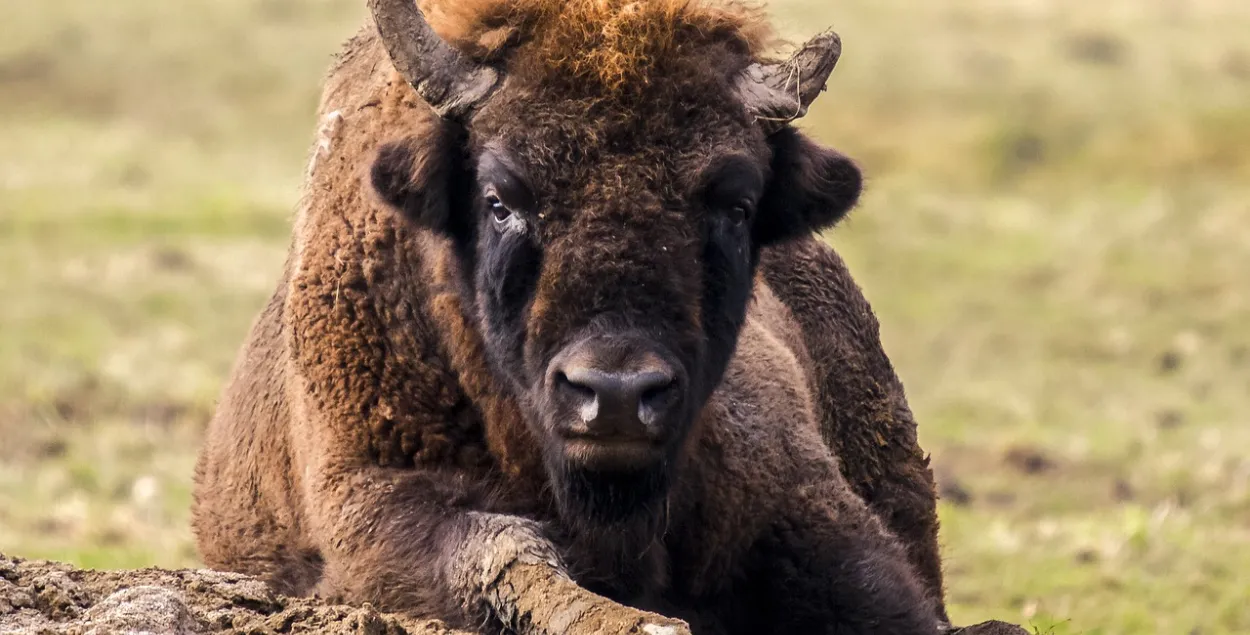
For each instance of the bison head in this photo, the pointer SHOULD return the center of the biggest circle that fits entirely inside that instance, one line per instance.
(608, 187)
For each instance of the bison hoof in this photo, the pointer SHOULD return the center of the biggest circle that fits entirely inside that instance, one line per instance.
(600, 616)
(990, 628)
(657, 629)
(652, 624)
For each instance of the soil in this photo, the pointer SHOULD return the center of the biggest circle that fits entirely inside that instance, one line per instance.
(44, 597)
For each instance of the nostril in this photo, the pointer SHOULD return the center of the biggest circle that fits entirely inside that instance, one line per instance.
(659, 392)
(656, 397)
(581, 390)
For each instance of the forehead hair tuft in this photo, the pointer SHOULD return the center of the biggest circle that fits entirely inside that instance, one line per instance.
(609, 44)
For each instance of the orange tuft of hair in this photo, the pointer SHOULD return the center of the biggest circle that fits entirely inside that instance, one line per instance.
(610, 42)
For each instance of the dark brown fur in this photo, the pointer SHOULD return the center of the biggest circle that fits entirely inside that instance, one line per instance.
(374, 444)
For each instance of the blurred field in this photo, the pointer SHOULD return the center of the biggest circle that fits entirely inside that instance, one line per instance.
(1056, 238)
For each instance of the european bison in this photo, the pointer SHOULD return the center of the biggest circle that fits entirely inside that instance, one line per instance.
(555, 347)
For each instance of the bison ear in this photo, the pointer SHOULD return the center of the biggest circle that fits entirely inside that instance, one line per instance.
(417, 176)
(812, 188)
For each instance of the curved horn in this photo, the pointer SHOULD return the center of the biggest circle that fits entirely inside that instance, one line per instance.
(779, 93)
(450, 82)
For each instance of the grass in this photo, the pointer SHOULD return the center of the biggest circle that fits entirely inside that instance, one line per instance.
(1056, 238)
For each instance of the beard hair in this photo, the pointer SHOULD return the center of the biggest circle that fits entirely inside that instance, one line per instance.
(611, 497)
(613, 523)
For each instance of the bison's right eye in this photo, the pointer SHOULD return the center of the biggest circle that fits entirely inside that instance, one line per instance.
(498, 209)
(507, 195)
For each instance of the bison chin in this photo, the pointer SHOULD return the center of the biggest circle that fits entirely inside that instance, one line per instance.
(610, 497)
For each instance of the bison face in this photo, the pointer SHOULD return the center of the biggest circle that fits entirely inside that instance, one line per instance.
(608, 242)
(610, 264)
(611, 283)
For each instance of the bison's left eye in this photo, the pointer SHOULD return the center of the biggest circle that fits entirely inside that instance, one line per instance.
(739, 213)
(731, 188)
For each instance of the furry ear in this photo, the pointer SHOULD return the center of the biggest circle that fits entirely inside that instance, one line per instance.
(812, 188)
(416, 176)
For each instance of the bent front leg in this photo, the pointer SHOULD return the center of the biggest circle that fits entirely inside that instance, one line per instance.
(832, 568)
(866, 419)
(407, 542)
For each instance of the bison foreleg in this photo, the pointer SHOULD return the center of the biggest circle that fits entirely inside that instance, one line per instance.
(831, 567)
(516, 572)
(397, 545)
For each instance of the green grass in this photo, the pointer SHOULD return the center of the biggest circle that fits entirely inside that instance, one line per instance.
(1056, 237)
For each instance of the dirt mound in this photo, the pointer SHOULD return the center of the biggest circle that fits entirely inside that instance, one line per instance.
(44, 597)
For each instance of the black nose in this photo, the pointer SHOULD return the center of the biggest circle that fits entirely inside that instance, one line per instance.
(618, 405)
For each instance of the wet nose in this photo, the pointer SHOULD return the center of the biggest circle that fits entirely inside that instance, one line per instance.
(618, 405)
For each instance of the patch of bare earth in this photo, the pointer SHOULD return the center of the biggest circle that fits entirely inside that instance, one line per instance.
(43, 597)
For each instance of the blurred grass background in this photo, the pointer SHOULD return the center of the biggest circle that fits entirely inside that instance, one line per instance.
(1056, 238)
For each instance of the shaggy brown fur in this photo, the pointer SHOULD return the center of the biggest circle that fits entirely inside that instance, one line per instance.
(387, 434)
(609, 43)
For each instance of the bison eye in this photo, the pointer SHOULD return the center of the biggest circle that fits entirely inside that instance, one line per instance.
(498, 209)
(730, 188)
(738, 213)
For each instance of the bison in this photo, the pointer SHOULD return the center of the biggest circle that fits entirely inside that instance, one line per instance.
(556, 349)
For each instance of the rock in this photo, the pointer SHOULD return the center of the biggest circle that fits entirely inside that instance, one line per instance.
(144, 609)
(1029, 460)
(953, 491)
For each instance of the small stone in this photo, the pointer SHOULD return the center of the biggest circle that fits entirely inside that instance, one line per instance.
(1238, 354)
(1029, 460)
(366, 621)
(1169, 419)
(13, 598)
(283, 621)
(953, 491)
(1123, 491)
(1169, 362)
(147, 609)
(59, 596)
(1000, 499)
